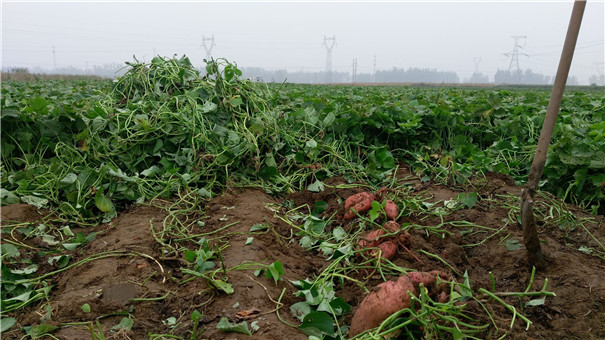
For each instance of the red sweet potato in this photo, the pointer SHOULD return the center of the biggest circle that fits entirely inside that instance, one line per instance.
(391, 226)
(390, 297)
(388, 250)
(360, 202)
(372, 239)
(392, 210)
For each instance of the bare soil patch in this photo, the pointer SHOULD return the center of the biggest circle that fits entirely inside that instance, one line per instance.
(135, 278)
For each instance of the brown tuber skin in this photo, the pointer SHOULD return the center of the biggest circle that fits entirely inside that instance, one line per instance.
(392, 210)
(372, 239)
(392, 296)
(388, 250)
(388, 246)
(360, 202)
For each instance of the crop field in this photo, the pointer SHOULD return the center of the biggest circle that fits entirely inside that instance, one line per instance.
(174, 204)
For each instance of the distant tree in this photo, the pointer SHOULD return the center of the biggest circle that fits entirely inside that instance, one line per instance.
(597, 80)
(520, 77)
(477, 78)
(416, 75)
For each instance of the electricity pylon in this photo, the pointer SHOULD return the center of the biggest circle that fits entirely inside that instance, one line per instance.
(477, 60)
(514, 54)
(329, 44)
(208, 48)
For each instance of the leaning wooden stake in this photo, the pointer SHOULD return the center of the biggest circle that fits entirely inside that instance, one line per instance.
(530, 235)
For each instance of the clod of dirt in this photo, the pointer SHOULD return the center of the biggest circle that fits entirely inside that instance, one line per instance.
(119, 294)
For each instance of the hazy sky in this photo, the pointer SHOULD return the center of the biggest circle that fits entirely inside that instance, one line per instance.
(289, 35)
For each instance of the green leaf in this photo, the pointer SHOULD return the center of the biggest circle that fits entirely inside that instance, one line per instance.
(275, 270)
(170, 321)
(536, 302)
(25, 271)
(33, 200)
(306, 241)
(190, 255)
(8, 197)
(317, 186)
(125, 323)
(599, 180)
(300, 310)
(71, 246)
(151, 171)
(236, 101)
(340, 306)
(317, 324)
(512, 244)
(41, 329)
(103, 203)
(259, 227)
(375, 211)
(70, 178)
(465, 289)
(8, 250)
(85, 308)
(339, 233)
(311, 144)
(249, 240)
(196, 316)
(6, 324)
(267, 172)
(61, 260)
(469, 199)
(319, 207)
(226, 326)
(203, 192)
(222, 285)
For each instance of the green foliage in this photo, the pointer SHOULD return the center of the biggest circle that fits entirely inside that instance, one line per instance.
(86, 148)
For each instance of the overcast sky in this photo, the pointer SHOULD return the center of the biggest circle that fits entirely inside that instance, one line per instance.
(448, 36)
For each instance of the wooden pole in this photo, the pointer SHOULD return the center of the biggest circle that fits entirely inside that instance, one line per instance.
(530, 235)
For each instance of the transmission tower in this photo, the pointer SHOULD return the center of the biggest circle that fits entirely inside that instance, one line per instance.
(54, 58)
(208, 48)
(354, 76)
(514, 60)
(329, 44)
(477, 60)
(374, 73)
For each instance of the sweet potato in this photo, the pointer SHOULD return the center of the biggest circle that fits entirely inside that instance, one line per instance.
(372, 239)
(388, 250)
(392, 210)
(360, 202)
(375, 239)
(391, 226)
(390, 297)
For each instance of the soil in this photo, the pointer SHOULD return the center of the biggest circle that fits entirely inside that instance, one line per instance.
(124, 271)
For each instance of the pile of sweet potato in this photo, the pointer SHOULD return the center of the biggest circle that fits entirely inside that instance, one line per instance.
(387, 239)
(362, 202)
(385, 242)
(392, 296)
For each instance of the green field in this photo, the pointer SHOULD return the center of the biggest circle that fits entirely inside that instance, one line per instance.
(163, 128)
